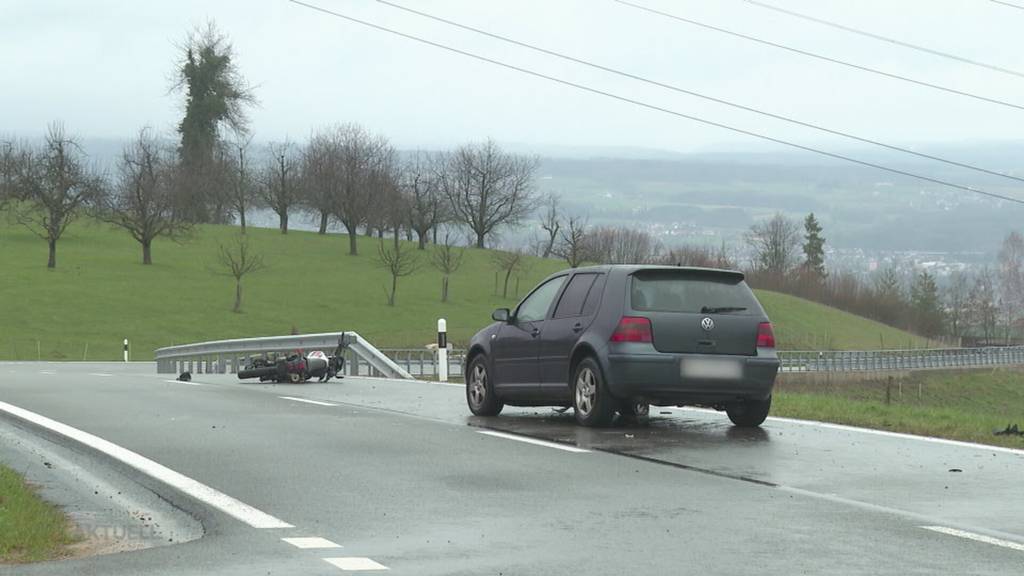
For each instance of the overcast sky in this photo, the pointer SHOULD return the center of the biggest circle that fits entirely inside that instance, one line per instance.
(103, 68)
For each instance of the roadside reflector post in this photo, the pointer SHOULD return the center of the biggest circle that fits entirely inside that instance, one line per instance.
(125, 349)
(442, 350)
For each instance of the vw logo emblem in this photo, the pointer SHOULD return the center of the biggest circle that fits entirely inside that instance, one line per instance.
(707, 324)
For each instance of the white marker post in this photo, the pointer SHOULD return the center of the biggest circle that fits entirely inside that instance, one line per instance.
(442, 350)
(125, 349)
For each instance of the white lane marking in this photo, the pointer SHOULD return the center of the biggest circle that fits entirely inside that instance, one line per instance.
(47, 372)
(456, 384)
(886, 433)
(317, 402)
(99, 374)
(534, 441)
(976, 537)
(310, 543)
(183, 382)
(194, 488)
(355, 563)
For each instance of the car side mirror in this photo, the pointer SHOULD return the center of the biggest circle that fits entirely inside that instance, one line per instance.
(500, 315)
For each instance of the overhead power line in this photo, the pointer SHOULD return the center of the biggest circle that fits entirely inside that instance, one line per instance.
(652, 106)
(1010, 4)
(817, 56)
(874, 36)
(696, 94)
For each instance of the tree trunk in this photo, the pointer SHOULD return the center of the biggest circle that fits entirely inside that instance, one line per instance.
(422, 241)
(504, 288)
(323, 223)
(52, 262)
(238, 296)
(394, 286)
(444, 289)
(353, 249)
(479, 240)
(549, 247)
(396, 238)
(434, 231)
(284, 222)
(147, 252)
(241, 219)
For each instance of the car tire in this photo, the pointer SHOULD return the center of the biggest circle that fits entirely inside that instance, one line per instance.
(635, 409)
(480, 394)
(749, 413)
(591, 401)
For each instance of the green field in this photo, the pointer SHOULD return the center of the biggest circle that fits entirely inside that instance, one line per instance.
(30, 529)
(961, 405)
(100, 293)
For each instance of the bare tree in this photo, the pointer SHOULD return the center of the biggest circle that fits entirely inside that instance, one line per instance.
(573, 247)
(364, 158)
(508, 263)
(142, 199)
(446, 258)
(957, 304)
(983, 304)
(278, 188)
(1011, 277)
(702, 256)
(622, 245)
(427, 204)
(398, 262)
(774, 245)
(239, 260)
(321, 175)
(551, 223)
(487, 187)
(53, 185)
(243, 189)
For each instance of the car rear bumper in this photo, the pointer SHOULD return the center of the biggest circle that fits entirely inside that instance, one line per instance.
(658, 378)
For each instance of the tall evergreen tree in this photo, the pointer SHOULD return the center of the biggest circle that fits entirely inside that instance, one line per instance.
(216, 96)
(814, 248)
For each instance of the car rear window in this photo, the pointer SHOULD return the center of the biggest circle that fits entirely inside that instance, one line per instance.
(686, 291)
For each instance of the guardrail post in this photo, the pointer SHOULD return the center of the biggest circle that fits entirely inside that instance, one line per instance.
(442, 350)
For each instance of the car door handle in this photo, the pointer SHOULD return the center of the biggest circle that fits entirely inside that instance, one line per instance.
(577, 327)
(535, 332)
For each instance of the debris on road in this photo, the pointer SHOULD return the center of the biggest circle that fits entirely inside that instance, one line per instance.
(185, 376)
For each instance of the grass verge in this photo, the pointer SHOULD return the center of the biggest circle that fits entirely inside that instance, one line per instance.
(958, 405)
(31, 529)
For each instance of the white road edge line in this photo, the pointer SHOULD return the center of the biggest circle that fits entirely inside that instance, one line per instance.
(194, 488)
(846, 428)
(183, 382)
(355, 563)
(311, 543)
(317, 402)
(533, 441)
(99, 374)
(976, 537)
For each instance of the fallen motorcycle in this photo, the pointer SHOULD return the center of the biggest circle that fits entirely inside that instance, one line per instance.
(296, 368)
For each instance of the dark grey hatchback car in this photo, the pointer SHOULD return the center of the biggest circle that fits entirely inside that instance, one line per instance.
(609, 339)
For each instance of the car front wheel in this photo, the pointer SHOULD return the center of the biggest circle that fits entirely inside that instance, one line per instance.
(479, 390)
(591, 402)
(749, 413)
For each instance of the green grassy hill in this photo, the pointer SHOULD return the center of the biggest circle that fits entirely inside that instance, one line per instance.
(100, 293)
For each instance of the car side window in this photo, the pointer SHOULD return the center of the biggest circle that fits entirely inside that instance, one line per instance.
(536, 305)
(594, 296)
(571, 302)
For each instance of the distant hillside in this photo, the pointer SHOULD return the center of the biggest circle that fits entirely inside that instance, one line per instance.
(101, 293)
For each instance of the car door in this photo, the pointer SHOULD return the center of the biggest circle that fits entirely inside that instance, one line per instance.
(517, 344)
(574, 312)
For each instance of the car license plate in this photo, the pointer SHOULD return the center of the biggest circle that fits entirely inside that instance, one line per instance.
(725, 368)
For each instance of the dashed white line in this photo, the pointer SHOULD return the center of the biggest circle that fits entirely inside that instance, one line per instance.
(50, 372)
(194, 488)
(533, 441)
(311, 543)
(317, 402)
(355, 563)
(99, 374)
(183, 382)
(976, 537)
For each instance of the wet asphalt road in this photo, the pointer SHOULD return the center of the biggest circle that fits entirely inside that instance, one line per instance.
(399, 472)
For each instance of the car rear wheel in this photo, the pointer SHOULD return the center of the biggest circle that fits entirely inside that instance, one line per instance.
(749, 413)
(479, 392)
(591, 402)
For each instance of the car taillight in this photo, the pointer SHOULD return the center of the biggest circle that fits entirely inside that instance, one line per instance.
(633, 329)
(765, 335)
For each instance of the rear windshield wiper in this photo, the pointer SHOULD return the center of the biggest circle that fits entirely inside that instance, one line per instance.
(720, 309)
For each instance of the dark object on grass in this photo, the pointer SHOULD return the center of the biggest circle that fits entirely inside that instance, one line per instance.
(955, 470)
(185, 376)
(1010, 430)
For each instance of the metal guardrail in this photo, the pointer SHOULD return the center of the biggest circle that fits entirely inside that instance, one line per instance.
(899, 360)
(422, 362)
(223, 356)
